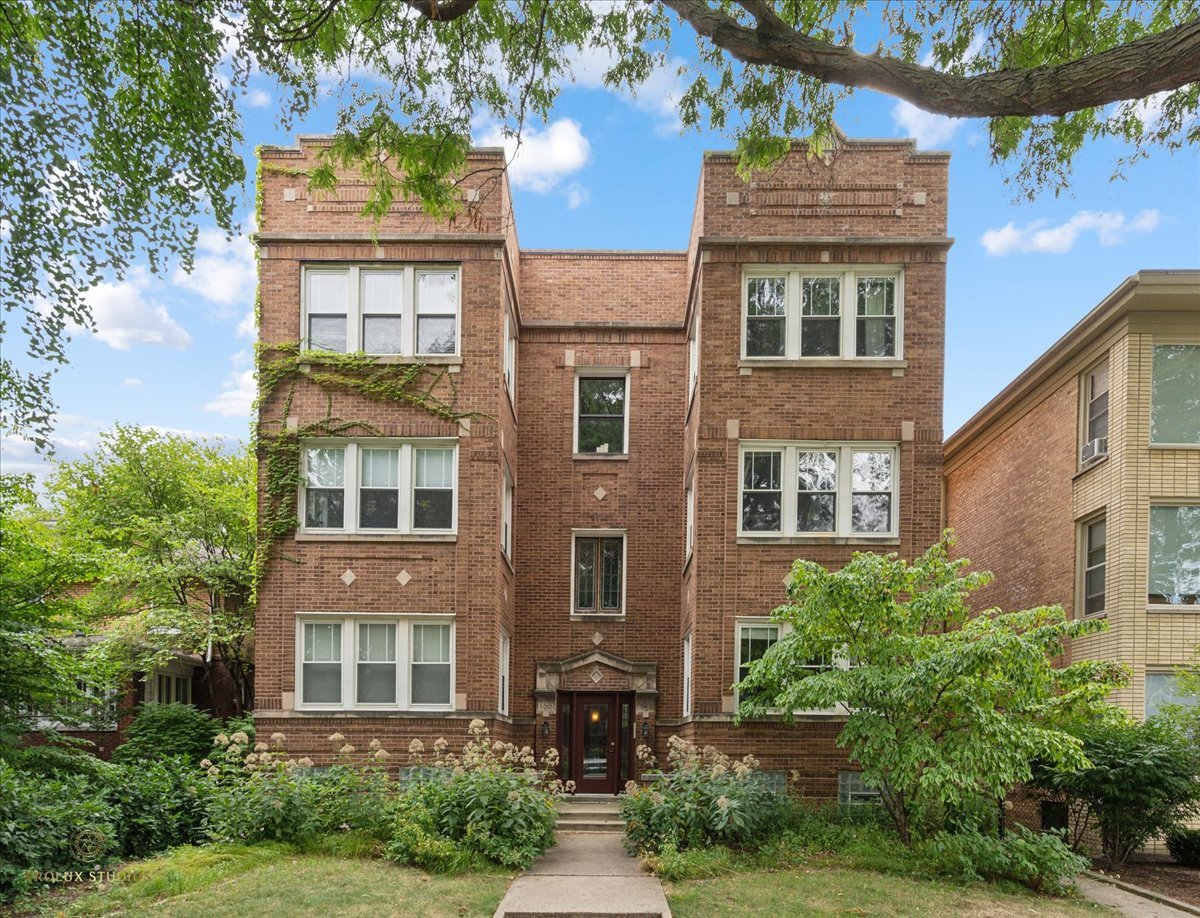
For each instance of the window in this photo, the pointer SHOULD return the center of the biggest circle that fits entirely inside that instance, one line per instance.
(506, 514)
(753, 642)
(379, 487)
(839, 489)
(397, 663)
(600, 416)
(1175, 555)
(816, 312)
(381, 310)
(1095, 540)
(1162, 690)
(1097, 403)
(505, 665)
(689, 522)
(694, 357)
(854, 791)
(599, 574)
(1175, 394)
(687, 674)
(510, 352)
(171, 688)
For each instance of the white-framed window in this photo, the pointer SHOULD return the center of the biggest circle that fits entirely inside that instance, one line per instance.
(1096, 398)
(602, 412)
(94, 708)
(818, 489)
(1094, 539)
(689, 521)
(403, 310)
(1174, 399)
(687, 674)
(694, 356)
(854, 791)
(169, 686)
(506, 517)
(1174, 555)
(1162, 689)
(820, 312)
(376, 662)
(510, 352)
(504, 669)
(598, 572)
(753, 636)
(378, 486)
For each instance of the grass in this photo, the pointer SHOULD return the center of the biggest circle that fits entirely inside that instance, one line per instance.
(270, 879)
(841, 891)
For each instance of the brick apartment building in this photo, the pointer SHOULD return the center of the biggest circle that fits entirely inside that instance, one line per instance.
(588, 561)
(1079, 484)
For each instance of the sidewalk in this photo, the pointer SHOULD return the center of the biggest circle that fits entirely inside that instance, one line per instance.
(585, 874)
(1126, 902)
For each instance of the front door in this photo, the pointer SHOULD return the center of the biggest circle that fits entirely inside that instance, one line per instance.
(596, 733)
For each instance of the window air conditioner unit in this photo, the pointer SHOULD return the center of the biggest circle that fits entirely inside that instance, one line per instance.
(1093, 450)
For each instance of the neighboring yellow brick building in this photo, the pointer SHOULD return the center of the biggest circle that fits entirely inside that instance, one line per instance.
(1079, 484)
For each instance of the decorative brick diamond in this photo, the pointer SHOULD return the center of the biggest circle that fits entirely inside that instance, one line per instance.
(348, 577)
(600, 493)
(403, 578)
(597, 638)
(596, 675)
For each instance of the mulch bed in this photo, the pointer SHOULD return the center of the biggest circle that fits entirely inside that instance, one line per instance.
(1162, 876)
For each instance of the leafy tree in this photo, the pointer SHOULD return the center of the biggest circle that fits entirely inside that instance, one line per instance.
(945, 708)
(173, 521)
(1141, 782)
(86, 81)
(38, 672)
(1185, 714)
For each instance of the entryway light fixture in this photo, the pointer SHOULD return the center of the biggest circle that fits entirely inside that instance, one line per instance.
(645, 729)
(545, 729)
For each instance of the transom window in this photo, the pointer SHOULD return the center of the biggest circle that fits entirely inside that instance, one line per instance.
(403, 310)
(379, 487)
(814, 312)
(601, 419)
(820, 489)
(1095, 545)
(398, 663)
(1175, 394)
(1175, 555)
(598, 574)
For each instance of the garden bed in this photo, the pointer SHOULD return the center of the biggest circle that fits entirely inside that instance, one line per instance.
(1164, 877)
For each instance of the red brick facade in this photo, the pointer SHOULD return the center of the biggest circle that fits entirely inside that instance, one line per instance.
(873, 207)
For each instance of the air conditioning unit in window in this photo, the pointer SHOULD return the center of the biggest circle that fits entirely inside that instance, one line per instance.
(1093, 450)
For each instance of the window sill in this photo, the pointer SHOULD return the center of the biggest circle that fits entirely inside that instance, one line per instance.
(597, 616)
(376, 537)
(604, 457)
(746, 539)
(1096, 463)
(1184, 608)
(860, 363)
(1170, 446)
(441, 360)
(367, 712)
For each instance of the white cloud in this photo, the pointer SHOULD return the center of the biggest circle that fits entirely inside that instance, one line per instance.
(223, 272)
(928, 129)
(236, 397)
(544, 158)
(258, 98)
(658, 95)
(1111, 228)
(124, 316)
(247, 328)
(130, 382)
(577, 195)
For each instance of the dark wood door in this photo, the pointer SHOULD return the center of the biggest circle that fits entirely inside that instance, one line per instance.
(597, 727)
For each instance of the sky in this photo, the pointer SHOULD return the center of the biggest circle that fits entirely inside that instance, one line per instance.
(609, 170)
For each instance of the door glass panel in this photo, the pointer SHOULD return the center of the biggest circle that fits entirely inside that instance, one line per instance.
(595, 741)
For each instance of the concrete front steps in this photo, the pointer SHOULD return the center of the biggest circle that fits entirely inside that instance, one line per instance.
(590, 813)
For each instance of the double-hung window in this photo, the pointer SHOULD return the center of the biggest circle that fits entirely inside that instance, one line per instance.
(601, 413)
(1175, 395)
(1095, 546)
(1174, 555)
(816, 312)
(829, 489)
(753, 637)
(1096, 391)
(374, 662)
(383, 310)
(378, 486)
(598, 574)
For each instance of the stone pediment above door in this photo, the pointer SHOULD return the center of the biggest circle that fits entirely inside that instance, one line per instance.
(595, 671)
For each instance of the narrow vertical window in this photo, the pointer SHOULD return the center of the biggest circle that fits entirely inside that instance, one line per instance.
(689, 523)
(1097, 403)
(327, 308)
(694, 357)
(820, 317)
(505, 666)
(324, 487)
(599, 574)
(687, 674)
(875, 327)
(382, 308)
(437, 312)
(601, 414)
(816, 496)
(762, 491)
(510, 352)
(322, 668)
(379, 495)
(506, 513)
(766, 316)
(433, 489)
(871, 492)
(1095, 548)
(431, 664)
(1175, 394)
(376, 663)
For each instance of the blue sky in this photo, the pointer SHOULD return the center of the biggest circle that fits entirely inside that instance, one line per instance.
(611, 171)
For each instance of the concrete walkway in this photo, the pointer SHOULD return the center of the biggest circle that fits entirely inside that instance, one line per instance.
(1127, 903)
(585, 874)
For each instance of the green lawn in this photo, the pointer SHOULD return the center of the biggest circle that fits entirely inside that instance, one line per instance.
(837, 891)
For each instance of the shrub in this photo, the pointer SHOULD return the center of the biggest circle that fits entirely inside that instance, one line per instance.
(493, 802)
(1141, 783)
(161, 805)
(1184, 845)
(166, 731)
(705, 799)
(1039, 860)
